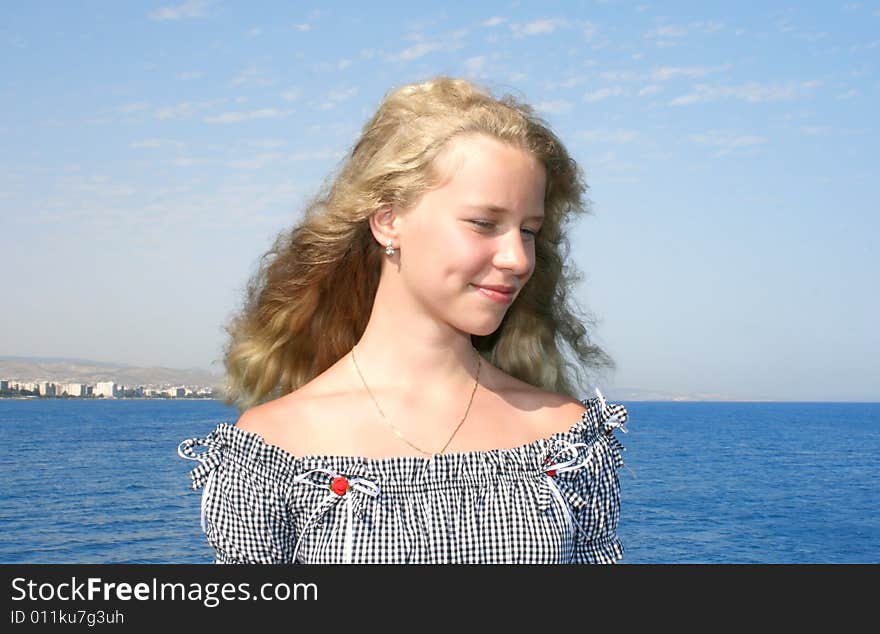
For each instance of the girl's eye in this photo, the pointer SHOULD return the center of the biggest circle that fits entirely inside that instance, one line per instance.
(483, 223)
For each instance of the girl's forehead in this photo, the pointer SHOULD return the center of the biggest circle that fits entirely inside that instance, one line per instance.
(471, 156)
(491, 174)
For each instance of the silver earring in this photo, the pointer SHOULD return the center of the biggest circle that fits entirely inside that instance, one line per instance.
(389, 250)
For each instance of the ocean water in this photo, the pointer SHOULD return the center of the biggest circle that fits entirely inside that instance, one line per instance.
(101, 482)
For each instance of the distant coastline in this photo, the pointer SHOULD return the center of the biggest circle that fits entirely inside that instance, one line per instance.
(153, 381)
(31, 397)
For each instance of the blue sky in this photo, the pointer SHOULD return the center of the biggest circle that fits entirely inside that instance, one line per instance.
(151, 151)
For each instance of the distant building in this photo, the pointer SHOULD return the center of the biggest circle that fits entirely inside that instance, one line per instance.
(76, 389)
(106, 389)
(46, 388)
(176, 392)
(4, 385)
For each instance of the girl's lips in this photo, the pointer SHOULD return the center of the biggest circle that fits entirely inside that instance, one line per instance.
(498, 296)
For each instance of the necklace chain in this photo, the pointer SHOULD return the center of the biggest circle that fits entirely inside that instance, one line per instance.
(396, 431)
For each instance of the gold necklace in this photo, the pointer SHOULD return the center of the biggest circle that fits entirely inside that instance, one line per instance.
(397, 431)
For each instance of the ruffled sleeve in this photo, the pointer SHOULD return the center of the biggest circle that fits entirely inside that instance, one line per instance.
(244, 511)
(593, 490)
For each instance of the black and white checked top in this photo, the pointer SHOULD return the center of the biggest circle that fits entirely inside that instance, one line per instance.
(555, 500)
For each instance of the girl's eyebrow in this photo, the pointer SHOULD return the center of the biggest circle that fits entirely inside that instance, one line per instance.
(496, 209)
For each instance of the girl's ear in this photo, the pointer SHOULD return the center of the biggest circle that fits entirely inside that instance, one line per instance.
(384, 225)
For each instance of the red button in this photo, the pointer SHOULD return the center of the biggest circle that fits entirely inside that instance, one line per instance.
(339, 485)
(551, 473)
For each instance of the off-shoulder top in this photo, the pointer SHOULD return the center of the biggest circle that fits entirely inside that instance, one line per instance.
(554, 500)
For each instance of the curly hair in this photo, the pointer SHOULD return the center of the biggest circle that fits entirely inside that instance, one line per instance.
(308, 303)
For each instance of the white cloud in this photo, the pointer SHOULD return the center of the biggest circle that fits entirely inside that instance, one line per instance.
(332, 66)
(303, 28)
(666, 73)
(785, 25)
(290, 95)
(155, 143)
(726, 142)
(189, 9)
(750, 92)
(185, 162)
(816, 130)
(254, 32)
(667, 31)
(268, 144)
(445, 42)
(603, 93)
(253, 76)
(539, 27)
(494, 21)
(415, 52)
(102, 185)
(188, 75)
(864, 47)
(650, 89)
(337, 96)
(343, 94)
(618, 75)
(852, 6)
(235, 117)
(549, 25)
(849, 94)
(812, 36)
(182, 110)
(134, 107)
(557, 106)
(611, 162)
(570, 82)
(256, 162)
(317, 155)
(707, 27)
(589, 29)
(475, 65)
(608, 136)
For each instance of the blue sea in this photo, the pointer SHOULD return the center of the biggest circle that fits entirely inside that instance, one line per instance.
(101, 482)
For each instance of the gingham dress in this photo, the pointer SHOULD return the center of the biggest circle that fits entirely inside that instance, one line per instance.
(554, 500)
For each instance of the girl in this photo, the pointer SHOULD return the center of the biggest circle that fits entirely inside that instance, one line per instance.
(397, 362)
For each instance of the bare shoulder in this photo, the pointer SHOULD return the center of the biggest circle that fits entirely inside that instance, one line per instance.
(279, 421)
(560, 412)
(550, 412)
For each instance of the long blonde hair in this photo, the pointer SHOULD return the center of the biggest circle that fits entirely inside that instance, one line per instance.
(310, 299)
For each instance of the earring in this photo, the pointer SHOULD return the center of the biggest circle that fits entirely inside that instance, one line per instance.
(389, 250)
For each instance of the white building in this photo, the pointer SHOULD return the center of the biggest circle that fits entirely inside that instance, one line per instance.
(46, 388)
(107, 389)
(75, 389)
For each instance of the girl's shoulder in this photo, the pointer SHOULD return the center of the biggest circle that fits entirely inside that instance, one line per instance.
(319, 419)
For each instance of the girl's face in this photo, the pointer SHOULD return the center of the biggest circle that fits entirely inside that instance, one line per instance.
(475, 230)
